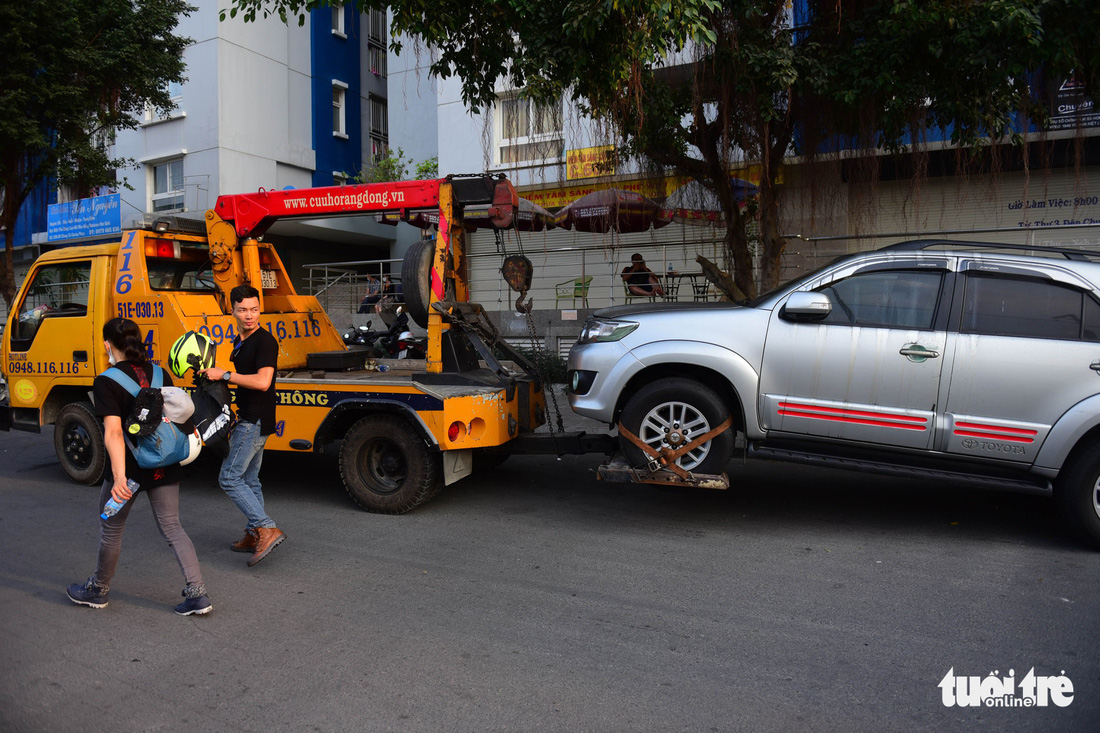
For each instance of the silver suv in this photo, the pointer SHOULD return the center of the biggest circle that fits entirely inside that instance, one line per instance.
(973, 362)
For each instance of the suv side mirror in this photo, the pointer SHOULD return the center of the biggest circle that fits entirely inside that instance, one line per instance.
(806, 306)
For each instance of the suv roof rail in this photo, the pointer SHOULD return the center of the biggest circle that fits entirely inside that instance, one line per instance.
(1082, 255)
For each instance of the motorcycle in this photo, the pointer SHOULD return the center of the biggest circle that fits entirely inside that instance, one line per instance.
(361, 336)
(398, 342)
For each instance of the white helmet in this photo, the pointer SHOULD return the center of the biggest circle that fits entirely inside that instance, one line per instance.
(195, 444)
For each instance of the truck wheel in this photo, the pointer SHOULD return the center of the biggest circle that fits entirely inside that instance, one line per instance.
(1077, 492)
(672, 412)
(78, 442)
(416, 280)
(387, 467)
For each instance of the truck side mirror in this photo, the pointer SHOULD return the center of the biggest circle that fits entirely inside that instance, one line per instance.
(806, 306)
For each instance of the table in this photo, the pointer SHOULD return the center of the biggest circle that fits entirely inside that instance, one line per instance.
(673, 281)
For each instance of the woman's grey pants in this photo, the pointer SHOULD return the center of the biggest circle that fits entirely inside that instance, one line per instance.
(165, 500)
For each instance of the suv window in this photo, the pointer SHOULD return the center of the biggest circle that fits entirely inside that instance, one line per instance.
(885, 298)
(57, 290)
(1028, 307)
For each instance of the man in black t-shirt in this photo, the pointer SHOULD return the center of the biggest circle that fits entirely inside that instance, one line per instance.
(255, 356)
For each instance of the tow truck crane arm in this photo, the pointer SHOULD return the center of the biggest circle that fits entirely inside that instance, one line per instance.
(237, 221)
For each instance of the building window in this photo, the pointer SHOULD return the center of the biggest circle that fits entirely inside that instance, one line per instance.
(175, 92)
(379, 127)
(339, 109)
(339, 178)
(377, 31)
(528, 132)
(338, 21)
(168, 186)
(377, 58)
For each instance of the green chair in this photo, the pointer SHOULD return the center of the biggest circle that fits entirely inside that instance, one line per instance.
(573, 290)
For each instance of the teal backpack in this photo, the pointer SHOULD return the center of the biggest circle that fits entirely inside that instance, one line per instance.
(155, 446)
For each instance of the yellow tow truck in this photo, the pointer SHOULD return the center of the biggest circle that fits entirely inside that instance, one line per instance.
(405, 432)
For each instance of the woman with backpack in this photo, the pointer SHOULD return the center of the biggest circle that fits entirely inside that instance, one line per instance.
(126, 352)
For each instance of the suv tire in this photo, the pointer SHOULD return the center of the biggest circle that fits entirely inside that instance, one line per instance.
(1078, 493)
(668, 405)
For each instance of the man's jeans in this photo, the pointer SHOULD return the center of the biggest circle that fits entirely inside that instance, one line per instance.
(240, 474)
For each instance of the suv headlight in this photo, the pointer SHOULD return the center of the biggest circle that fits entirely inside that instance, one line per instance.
(596, 330)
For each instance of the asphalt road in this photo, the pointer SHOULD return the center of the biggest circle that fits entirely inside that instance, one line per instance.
(536, 598)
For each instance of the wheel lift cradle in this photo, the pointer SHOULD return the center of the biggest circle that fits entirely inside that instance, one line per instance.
(469, 341)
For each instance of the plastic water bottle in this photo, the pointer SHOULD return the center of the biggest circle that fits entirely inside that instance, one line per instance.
(111, 507)
(670, 270)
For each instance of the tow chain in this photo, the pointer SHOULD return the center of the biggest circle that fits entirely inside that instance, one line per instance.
(667, 456)
(536, 346)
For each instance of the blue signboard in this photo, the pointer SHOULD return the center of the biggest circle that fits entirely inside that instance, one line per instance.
(96, 216)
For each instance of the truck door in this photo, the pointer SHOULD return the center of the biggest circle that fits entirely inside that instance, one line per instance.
(869, 371)
(50, 333)
(1043, 317)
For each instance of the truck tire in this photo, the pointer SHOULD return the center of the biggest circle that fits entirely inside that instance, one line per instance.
(416, 280)
(387, 466)
(663, 408)
(1077, 492)
(78, 442)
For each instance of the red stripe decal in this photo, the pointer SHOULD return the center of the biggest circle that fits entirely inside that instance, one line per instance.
(856, 413)
(999, 429)
(993, 436)
(881, 423)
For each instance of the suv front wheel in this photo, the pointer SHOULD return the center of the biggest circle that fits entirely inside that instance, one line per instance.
(672, 413)
(1078, 493)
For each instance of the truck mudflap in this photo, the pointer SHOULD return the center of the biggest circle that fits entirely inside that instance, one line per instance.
(5, 418)
(618, 469)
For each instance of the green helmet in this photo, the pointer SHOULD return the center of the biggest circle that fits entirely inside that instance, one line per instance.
(191, 350)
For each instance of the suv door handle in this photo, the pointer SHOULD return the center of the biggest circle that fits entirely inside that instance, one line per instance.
(1095, 366)
(917, 353)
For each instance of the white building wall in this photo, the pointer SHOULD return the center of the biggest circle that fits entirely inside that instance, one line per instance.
(462, 143)
(245, 115)
(413, 103)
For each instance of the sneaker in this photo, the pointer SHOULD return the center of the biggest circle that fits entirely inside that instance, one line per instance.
(89, 593)
(195, 606)
(195, 601)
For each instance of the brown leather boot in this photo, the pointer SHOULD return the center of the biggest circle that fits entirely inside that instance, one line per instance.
(246, 543)
(266, 541)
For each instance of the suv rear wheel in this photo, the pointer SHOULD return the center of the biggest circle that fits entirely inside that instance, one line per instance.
(672, 413)
(1078, 493)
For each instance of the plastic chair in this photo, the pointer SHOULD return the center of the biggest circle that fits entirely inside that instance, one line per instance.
(631, 296)
(573, 290)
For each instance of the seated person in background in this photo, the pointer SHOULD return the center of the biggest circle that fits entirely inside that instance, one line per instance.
(374, 294)
(640, 280)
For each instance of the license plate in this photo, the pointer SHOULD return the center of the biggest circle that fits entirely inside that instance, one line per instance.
(268, 279)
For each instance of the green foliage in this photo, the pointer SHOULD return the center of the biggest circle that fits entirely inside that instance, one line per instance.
(428, 169)
(75, 71)
(394, 166)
